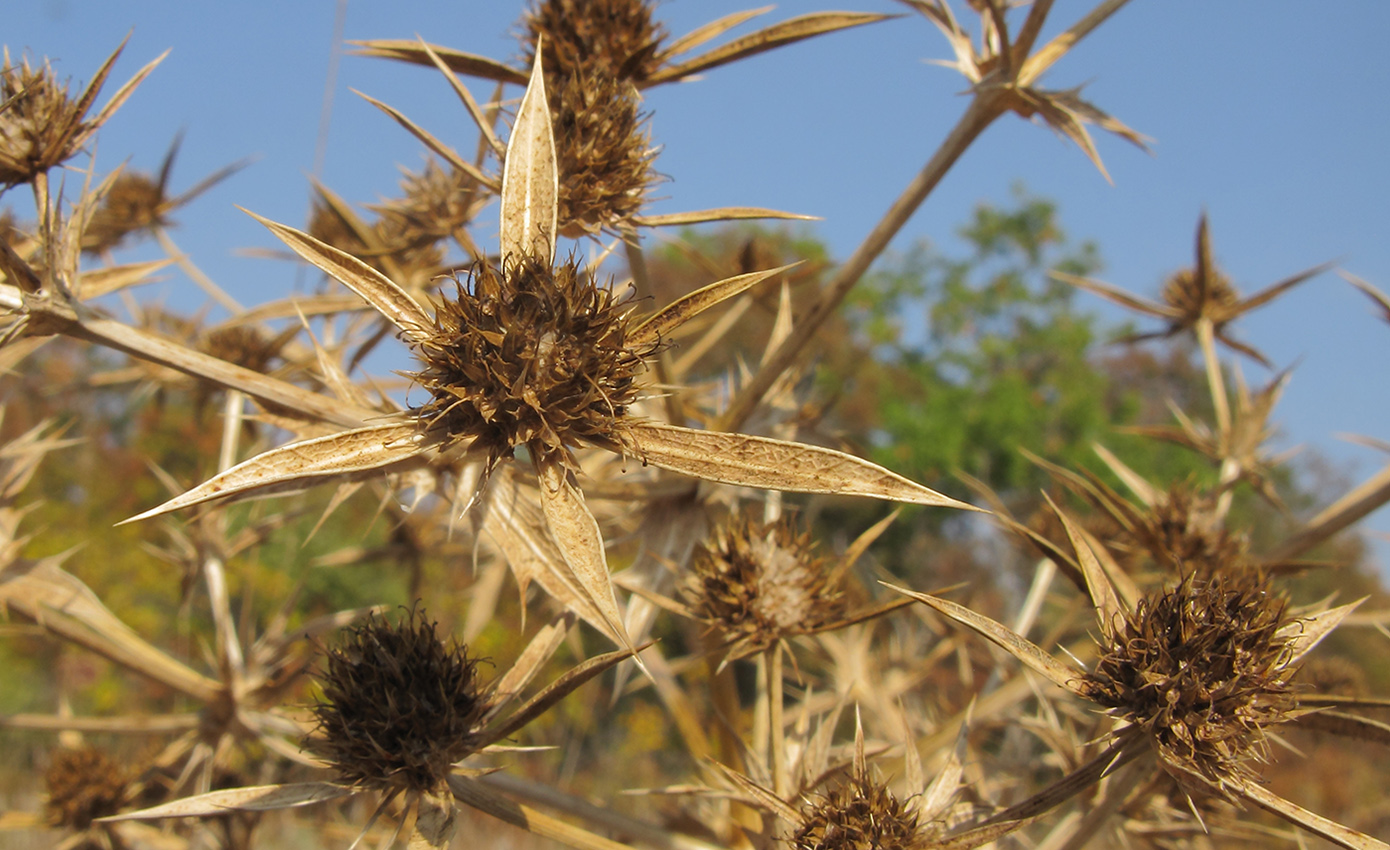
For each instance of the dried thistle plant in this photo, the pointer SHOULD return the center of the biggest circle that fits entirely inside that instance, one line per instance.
(559, 375)
(41, 126)
(402, 709)
(1196, 672)
(1199, 300)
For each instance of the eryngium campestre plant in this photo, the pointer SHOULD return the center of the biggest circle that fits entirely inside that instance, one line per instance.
(755, 584)
(530, 355)
(1204, 670)
(398, 706)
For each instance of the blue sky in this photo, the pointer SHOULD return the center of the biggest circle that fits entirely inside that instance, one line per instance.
(1270, 117)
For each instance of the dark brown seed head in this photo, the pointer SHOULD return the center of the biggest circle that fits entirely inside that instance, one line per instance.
(243, 346)
(861, 814)
(1204, 670)
(134, 203)
(756, 584)
(40, 126)
(617, 37)
(528, 354)
(603, 150)
(1184, 292)
(83, 785)
(399, 705)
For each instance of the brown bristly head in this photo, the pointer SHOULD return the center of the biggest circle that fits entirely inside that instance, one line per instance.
(84, 784)
(399, 705)
(1203, 669)
(616, 37)
(860, 814)
(756, 584)
(527, 354)
(603, 150)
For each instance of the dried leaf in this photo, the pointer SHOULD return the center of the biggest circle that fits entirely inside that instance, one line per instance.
(529, 662)
(1347, 725)
(435, 822)
(343, 457)
(1024, 650)
(765, 39)
(259, 798)
(375, 288)
(530, 178)
(428, 139)
(1108, 611)
(60, 602)
(711, 30)
(768, 464)
(577, 534)
(1305, 633)
(407, 50)
(683, 309)
(717, 214)
(1317, 824)
(556, 691)
(470, 792)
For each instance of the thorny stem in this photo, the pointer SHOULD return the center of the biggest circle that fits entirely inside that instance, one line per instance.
(231, 428)
(777, 743)
(983, 109)
(1205, 337)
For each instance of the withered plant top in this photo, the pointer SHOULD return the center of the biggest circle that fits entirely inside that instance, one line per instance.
(530, 355)
(399, 705)
(1203, 669)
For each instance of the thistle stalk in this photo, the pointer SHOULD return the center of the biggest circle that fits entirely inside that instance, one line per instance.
(983, 109)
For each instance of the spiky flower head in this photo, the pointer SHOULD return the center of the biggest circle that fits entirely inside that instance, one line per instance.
(1194, 295)
(1204, 670)
(756, 584)
(861, 814)
(399, 705)
(84, 784)
(530, 355)
(388, 244)
(436, 203)
(40, 126)
(1184, 532)
(134, 203)
(603, 149)
(618, 37)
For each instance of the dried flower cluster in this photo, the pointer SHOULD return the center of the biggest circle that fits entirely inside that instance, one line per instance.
(860, 814)
(1203, 669)
(530, 355)
(755, 584)
(630, 428)
(84, 784)
(399, 705)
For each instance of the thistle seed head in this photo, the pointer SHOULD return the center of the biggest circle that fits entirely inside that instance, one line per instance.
(436, 204)
(1203, 670)
(756, 584)
(1187, 535)
(1217, 300)
(134, 203)
(399, 705)
(40, 126)
(603, 149)
(83, 785)
(617, 37)
(861, 814)
(527, 354)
